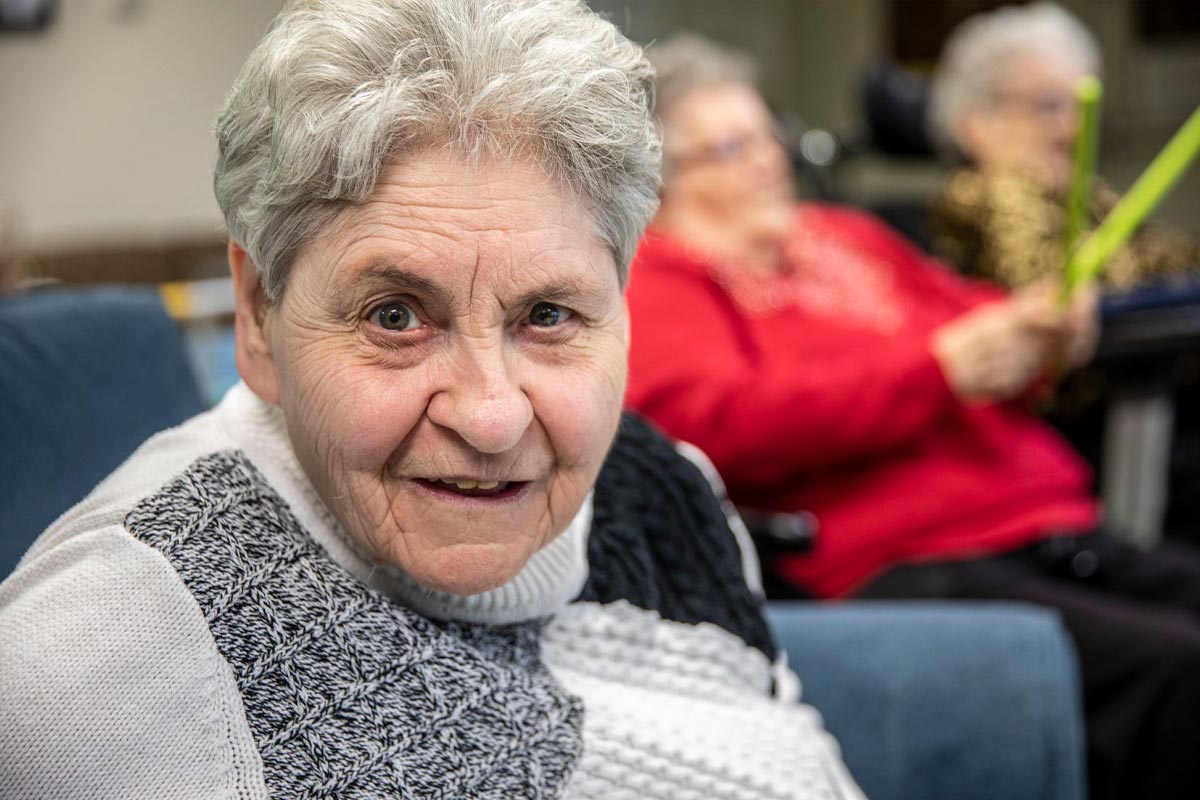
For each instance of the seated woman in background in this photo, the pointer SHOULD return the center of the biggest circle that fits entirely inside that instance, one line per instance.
(826, 365)
(417, 552)
(1003, 97)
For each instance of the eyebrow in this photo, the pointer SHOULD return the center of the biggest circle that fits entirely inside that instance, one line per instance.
(556, 291)
(401, 279)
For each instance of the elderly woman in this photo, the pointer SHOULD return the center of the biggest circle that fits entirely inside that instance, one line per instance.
(828, 366)
(1004, 98)
(417, 553)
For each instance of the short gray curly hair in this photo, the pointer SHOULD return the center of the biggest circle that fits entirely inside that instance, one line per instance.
(978, 52)
(338, 88)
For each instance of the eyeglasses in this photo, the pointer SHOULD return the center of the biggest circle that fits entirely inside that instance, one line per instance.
(1042, 105)
(728, 150)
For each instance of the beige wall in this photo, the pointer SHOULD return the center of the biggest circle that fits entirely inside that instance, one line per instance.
(105, 119)
(814, 50)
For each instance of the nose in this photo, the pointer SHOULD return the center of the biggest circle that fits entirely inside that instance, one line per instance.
(482, 403)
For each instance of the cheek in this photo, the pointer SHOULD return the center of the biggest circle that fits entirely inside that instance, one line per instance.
(374, 416)
(1026, 134)
(580, 407)
(348, 413)
(996, 131)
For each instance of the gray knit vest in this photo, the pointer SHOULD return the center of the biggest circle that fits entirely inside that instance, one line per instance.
(350, 695)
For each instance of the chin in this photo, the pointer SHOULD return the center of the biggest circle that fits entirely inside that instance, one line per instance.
(775, 218)
(468, 569)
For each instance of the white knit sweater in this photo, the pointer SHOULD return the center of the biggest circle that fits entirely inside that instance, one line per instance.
(111, 683)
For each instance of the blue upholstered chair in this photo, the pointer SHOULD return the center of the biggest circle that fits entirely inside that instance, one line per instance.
(86, 376)
(940, 701)
(929, 701)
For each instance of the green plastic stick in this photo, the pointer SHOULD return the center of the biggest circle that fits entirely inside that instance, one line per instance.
(1083, 169)
(1086, 263)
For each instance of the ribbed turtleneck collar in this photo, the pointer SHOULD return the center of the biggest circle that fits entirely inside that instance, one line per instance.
(547, 582)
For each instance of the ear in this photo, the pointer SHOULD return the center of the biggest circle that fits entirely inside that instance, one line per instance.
(252, 318)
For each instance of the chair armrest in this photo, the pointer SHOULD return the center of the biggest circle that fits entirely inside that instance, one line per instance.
(963, 701)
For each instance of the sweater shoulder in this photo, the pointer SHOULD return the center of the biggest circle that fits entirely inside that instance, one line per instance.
(112, 684)
(662, 541)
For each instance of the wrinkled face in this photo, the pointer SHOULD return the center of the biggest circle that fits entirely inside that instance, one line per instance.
(450, 360)
(1031, 122)
(723, 153)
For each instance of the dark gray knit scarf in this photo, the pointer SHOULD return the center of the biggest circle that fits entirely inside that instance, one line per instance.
(348, 694)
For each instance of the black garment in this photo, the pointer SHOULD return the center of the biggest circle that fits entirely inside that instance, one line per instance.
(1135, 620)
(661, 541)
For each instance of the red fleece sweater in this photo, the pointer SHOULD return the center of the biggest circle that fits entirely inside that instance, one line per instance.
(818, 390)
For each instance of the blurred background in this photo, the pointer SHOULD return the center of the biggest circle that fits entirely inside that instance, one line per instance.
(106, 107)
(106, 153)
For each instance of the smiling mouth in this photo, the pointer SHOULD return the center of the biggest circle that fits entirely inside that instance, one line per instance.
(473, 488)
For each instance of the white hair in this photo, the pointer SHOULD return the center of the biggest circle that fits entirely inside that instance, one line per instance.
(338, 88)
(976, 57)
(687, 61)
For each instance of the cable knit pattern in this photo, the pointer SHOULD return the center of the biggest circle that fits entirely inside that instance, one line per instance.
(669, 648)
(661, 540)
(682, 711)
(347, 693)
(700, 661)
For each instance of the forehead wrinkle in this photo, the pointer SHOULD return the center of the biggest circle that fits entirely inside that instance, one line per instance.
(474, 278)
(405, 222)
(529, 277)
(439, 197)
(427, 223)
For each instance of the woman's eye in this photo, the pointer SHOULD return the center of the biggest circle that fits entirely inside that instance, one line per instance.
(396, 317)
(547, 315)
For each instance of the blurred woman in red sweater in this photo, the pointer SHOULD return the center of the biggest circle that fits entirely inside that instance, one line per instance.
(825, 364)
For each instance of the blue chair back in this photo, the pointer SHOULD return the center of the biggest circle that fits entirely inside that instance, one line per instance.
(86, 375)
